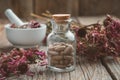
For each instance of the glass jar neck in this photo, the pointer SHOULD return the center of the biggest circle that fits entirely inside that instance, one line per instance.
(60, 27)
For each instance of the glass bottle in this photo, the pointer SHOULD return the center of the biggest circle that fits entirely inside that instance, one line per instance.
(61, 45)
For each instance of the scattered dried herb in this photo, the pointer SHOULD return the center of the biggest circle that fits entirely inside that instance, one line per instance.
(31, 24)
(99, 40)
(18, 61)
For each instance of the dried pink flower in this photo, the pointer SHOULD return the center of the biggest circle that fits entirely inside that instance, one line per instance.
(98, 40)
(18, 61)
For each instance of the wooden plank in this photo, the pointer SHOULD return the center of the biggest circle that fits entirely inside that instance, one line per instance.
(21, 77)
(56, 6)
(58, 76)
(73, 7)
(35, 77)
(78, 74)
(29, 78)
(22, 8)
(50, 75)
(113, 67)
(93, 70)
(4, 4)
(101, 7)
(65, 76)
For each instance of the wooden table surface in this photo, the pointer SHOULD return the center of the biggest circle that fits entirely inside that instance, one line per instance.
(104, 69)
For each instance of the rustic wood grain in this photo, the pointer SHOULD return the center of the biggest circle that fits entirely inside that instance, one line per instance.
(73, 7)
(93, 70)
(101, 7)
(57, 6)
(50, 75)
(4, 4)
(78, 74)
(65, 76)
(22, 8)
(58, 76)
(76, 7)
(113, 67)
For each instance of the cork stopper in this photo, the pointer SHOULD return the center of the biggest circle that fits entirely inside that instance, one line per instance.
(61, 17)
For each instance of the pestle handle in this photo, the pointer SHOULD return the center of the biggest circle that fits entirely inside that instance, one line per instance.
(13, 18)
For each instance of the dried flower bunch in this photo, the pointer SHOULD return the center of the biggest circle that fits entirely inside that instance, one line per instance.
(17, 61)
(31, 24)
(95, 40)
(98, 40)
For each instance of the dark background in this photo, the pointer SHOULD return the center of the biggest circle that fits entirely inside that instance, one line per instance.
(23, 8)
